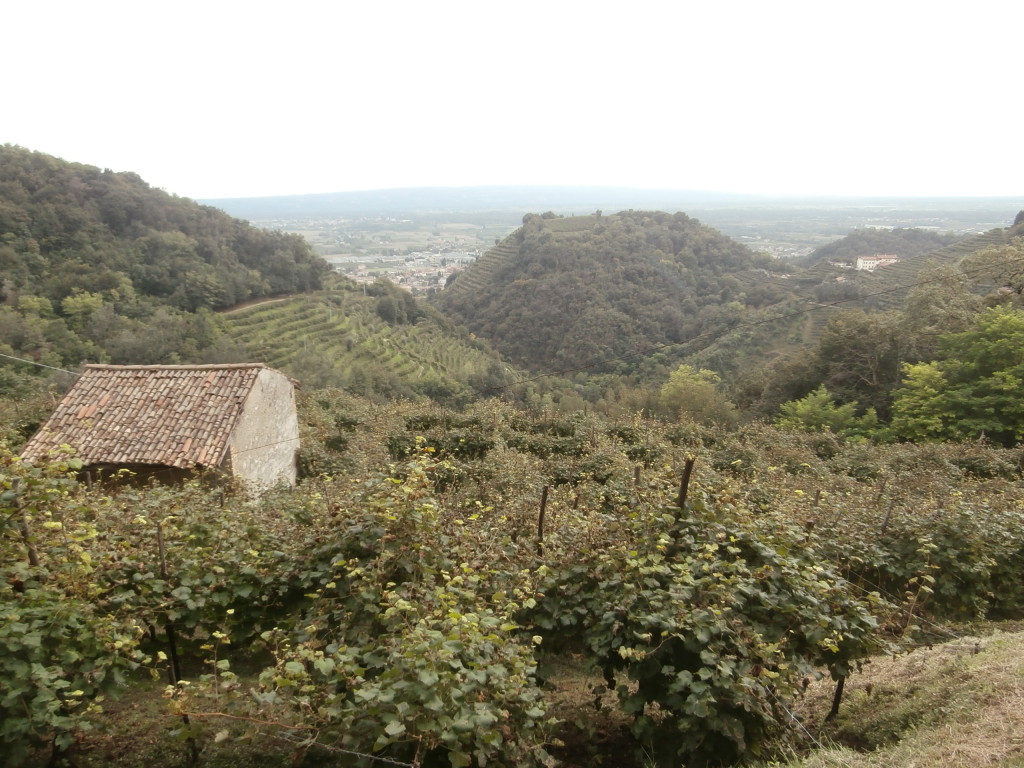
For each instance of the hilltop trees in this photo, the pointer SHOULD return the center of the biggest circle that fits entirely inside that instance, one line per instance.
(83, 248)
(589, 291)
(975, 389)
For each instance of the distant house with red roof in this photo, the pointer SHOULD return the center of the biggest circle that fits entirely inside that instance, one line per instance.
(169, 421)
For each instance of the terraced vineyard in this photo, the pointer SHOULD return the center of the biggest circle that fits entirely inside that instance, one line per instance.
(892, 284)
(337, 339)
(483, 268)
(568, 228)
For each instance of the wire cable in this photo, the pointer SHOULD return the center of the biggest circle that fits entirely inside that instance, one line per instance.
(41, 365)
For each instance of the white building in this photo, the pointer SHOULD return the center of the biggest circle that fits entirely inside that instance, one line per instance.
(871, 263)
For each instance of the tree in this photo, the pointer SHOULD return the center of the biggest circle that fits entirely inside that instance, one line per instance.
(919, 411)
(79, 307)
(943, 304)
(863, 353)
(694, 393)
(818, 412)
(1002, 266)
(975, 390)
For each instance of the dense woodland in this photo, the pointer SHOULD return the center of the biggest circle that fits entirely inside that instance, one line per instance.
(99, 266)
(600, 292)
(618, 494)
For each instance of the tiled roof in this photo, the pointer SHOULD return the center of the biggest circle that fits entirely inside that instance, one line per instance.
(171, 415)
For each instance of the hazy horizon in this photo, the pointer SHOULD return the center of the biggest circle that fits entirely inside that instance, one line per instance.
(230, 100)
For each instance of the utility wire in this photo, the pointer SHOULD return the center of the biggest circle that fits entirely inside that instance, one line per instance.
(41, 365)
(793, 718)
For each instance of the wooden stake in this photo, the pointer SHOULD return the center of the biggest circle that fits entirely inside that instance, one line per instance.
(684, 486)
(888, 514)
(838, 697)
(174, 671)
(540, 521)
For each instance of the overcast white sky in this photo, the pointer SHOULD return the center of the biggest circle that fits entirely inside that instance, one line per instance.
(221, 98)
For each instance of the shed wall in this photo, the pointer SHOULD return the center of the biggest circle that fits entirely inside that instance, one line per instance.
(264, 445)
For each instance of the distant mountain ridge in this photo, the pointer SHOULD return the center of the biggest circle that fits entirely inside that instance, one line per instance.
(514, 200)
(724, 210)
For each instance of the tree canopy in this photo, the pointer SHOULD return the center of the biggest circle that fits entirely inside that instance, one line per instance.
(592, 290)
(89, 257)
(974, 390)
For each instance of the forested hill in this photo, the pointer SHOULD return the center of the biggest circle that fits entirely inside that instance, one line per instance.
(89, 256)
(67, 226)
(587, 291)
(904, 243)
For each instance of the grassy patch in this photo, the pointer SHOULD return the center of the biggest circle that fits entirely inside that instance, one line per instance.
(956, 705)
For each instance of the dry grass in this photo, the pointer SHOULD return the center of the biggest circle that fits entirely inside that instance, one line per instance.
(957, 705)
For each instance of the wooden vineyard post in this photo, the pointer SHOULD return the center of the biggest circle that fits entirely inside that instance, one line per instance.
(684, 485)
(540, 521)
(838, 697)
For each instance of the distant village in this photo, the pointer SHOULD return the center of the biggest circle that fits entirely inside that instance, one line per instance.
(420, 272)
(423, 272)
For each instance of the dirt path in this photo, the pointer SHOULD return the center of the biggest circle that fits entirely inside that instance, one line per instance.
(253, 303)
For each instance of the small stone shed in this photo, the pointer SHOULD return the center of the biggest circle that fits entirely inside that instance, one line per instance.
(168, 421)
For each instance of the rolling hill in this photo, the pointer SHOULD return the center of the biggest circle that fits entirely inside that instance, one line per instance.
(99, 266)
(598, 292)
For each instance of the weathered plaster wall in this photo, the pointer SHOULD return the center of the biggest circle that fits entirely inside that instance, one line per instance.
(265, 442)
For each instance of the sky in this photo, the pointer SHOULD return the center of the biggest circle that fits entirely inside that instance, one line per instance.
(219, 98)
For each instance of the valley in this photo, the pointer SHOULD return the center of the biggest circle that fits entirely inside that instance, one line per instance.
(618, 482)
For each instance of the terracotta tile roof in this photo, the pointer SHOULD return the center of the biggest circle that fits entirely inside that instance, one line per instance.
(171, 415)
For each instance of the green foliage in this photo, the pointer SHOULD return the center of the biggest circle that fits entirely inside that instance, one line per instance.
(951, 559)
(92, 256)
(974, 390)
(339, 339)
(920, 411)
(714, 624)
(445, 678)
(943, 304)
(398, 609)
(396, 649)
(694, 394)
(61, 649)
(870, 241)
(395, 306)
(862, 353)
(1000, 267)
(818, 412)
(568, 293)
